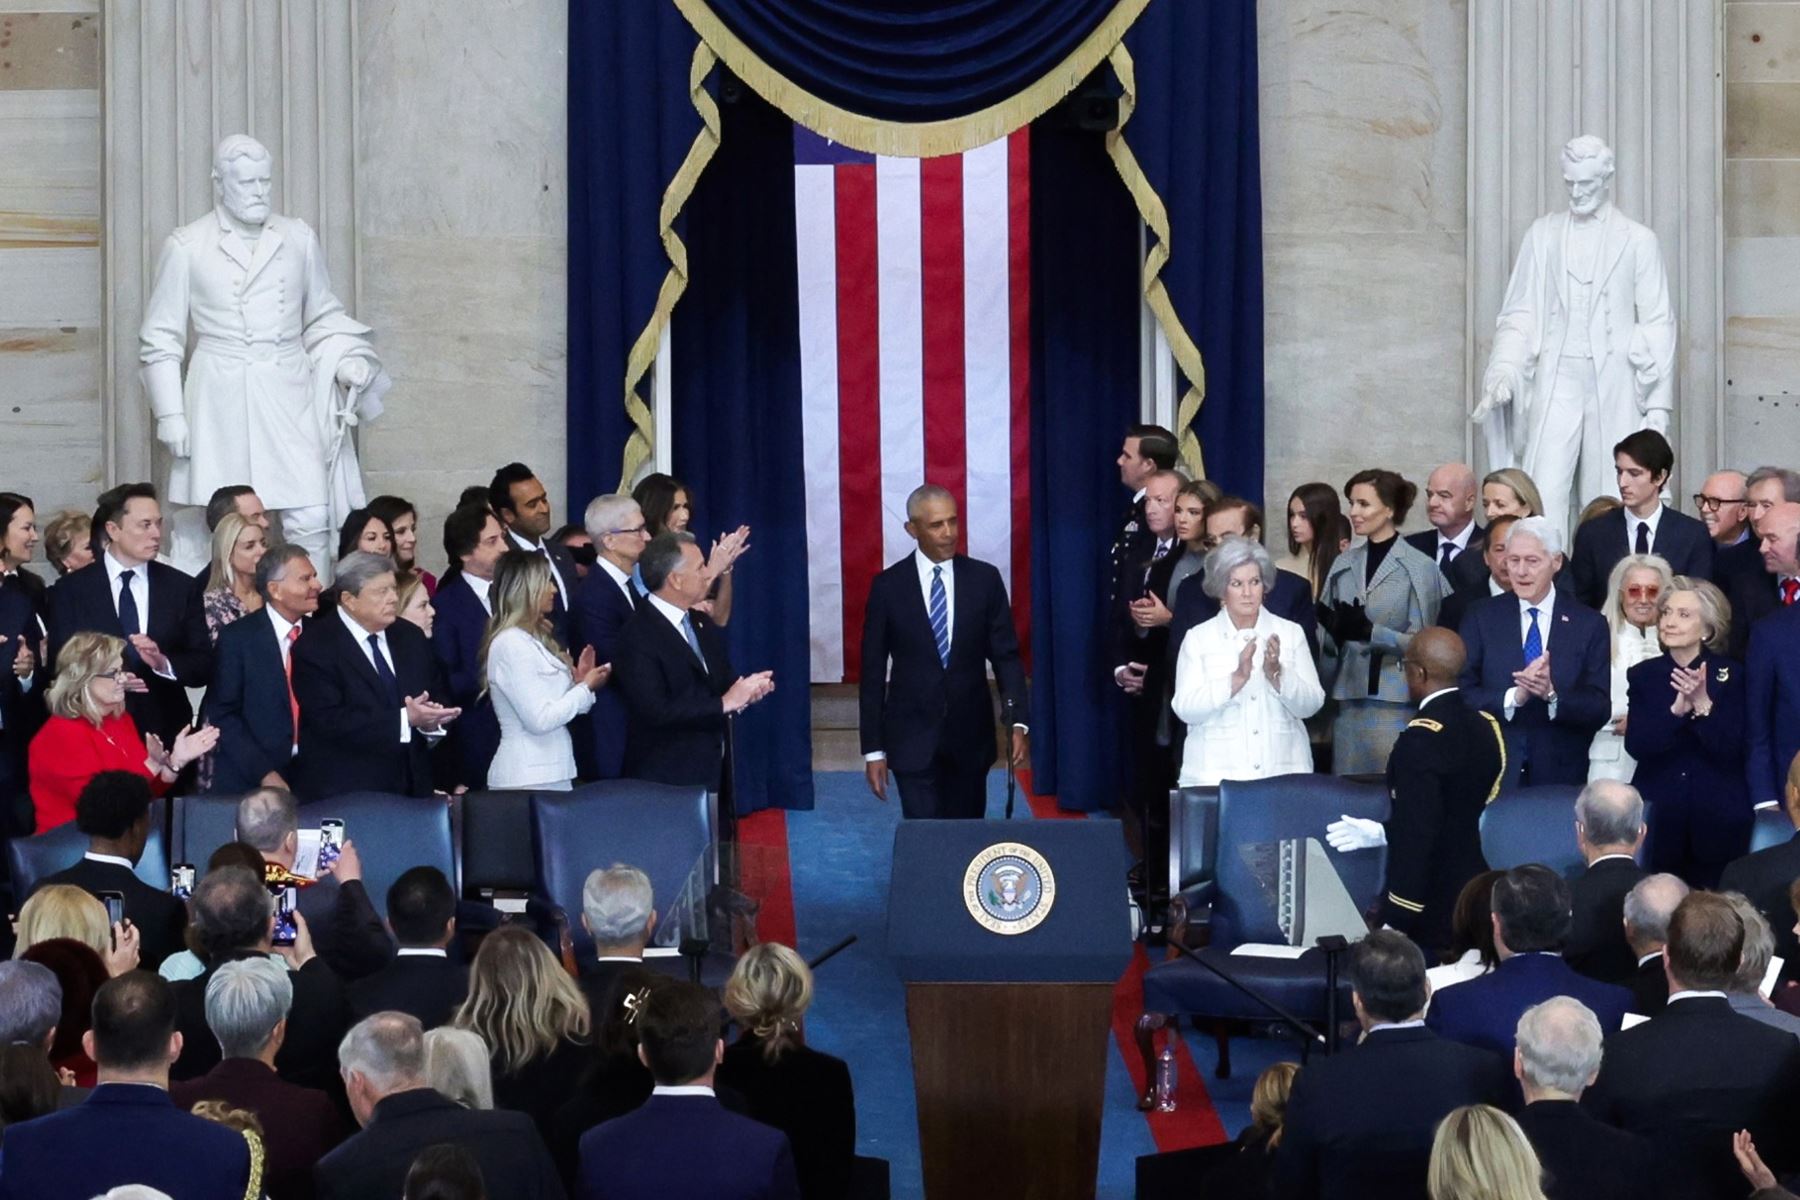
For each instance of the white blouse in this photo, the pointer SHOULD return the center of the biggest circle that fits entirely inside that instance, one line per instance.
(1606, 753)
(1259, 732)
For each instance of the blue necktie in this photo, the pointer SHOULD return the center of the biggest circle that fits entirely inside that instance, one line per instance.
(1534, 641)
(693, 639)
(129, 620)
(940, 615)
(385, 672)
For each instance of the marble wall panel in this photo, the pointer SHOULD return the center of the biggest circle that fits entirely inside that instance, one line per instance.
(1762, 41)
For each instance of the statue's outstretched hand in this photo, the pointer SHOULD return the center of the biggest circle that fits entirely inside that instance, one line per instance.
(1496, 392)
(172, 431)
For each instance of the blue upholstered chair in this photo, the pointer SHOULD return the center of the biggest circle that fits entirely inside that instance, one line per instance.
(497, 849)
(1771, 828)
(32, 858)
(1533, 825)
(392, 834)
(1193, 845)
(201, 825)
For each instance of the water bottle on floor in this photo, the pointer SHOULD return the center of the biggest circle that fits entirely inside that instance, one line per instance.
(1165, 1079)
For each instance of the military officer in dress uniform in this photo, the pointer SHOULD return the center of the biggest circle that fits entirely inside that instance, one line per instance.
(1147, 450)
(1445, 769)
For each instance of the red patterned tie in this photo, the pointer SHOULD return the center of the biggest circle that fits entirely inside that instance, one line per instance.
(288, 665)
(1790, 590)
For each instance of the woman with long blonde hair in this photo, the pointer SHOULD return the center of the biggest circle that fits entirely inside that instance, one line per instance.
(1480, 1153)
(534, 1020)
(237, 546)
(536, 690)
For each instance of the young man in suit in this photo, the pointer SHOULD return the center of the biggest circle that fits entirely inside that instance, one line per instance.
(675, 675)
(1764, 877)
(1609, 830)
(1454, 539)
(1649, 905)
(626, 1159)
(383, 1065)
(151, 605)
(114, 811)
(604, 602)
(366, 683)
(1557, 1059)
(474, 542)
(1755, 574)
(421, 979)
(128, 1131)
(940, 618)
(1540, 662)
(252, 699)
(1700, 1072)
(518, 498)
(1643, 525)
(1360, 1123)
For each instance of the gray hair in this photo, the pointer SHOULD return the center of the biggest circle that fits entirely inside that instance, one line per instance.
(1548, 533)
(921, 495)
(607, 514)
(618, 904)
(30, 1002)
(357, 568)
(238, 145)
(1580, 149)
(1610, 812)
(457, 1063)
(1230, 554)
(266, 817)
(1790, 481)
(1759, 945)
(1650, 904)
(387, 1049)
(272, 567)
(1613, 608)
(662, 556)
(1560, 1045)
(245, 999)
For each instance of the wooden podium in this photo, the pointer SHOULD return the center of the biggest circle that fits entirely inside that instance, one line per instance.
(1010, 1030)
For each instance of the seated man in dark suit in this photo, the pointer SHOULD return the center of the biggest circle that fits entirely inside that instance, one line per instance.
(1773, 668)
(1454, 540)
(1691, 1077)
(1745, 992)
(1648, 906)
(1361, 1123)
(365, 681)
(604, 602)
(1531, 924)
(247, 1005)
(627, 1158)
(251, 700)
(473, 542)
(1642, 525)
(113, 809)
(1540, 662)
(1609, 829)
(1764, 877)
(128, 1130)
(1558, 1058)
(383, 1063)
(618, 911)
(675, 675)
(421, 980)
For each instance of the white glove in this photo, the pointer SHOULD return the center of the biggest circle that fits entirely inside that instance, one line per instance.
(1355, 833)
(172, 431)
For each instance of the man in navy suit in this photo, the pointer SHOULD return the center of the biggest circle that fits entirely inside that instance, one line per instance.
(1764, 877)
(1540, 662)
(1531, 924)
(127, 1130)
(518, 498)
(473, 543)
(1643, 526)
(628, 1158)
(153, 606)
(1773, 678)
(252, 700)
(1454, 540)
(1761, 573)
(367, 683)
(604, 602)
(1609, 831)
(940, 618)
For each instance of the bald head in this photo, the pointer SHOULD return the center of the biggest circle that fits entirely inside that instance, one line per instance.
(1433, 660)
(1722, 508)
(1609, 819)
(1450, 498)
(1648, 907)
(1779, 531)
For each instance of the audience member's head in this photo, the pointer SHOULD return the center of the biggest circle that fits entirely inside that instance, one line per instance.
(269, 819)
(1509, 492)
(29, 1085)
(1720, 502)
(1778, 537)
(1609, 819)
(444, 1172)
(474, 539)
(289, 582)
(1269, 1100)
(1472, 921)
(1765, 488)
(86, 686)
(1432, 661)
(365, 533)
(113, 809)
(403, 521)
(133, 1038)
(236, 854)
(678, 1034)
(666, 503)
(1648, 906)
(672, 569)
(238, 498)
(421, 907)
(383, 1054)
(618, 528)
(618, 909)
(521, 1002)
(1147, 450)
(231, 911)
(457, 1064)
(1387, 979)
(1706, 944)
(516, 494)
(1558, 1050)
(30, 1002)
(1759, 946)
(768, 994)
(1635, 590)
(68, 541)
(1531, 911)
(247, 1004)
(238, 547)
(62, 910)
(1534, 554)
(1480, 1153)
(80, 974)
(367, 591)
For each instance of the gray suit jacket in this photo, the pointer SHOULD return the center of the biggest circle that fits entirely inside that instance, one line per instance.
(1757, 1009)
(1402, 599)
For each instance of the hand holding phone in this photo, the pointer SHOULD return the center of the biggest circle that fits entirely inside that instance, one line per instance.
(287, 904)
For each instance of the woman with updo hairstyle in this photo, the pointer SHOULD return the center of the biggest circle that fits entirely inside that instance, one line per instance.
(1480, 1153)
(801, 1091)
(68, 541)
(1250, 1174)
(1509, 492)
(1313, 518)
(1378, 594)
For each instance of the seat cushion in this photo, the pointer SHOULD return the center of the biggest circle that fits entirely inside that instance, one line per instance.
(1298, 985)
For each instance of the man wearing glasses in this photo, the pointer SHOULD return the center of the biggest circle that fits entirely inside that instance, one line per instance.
(1720, 504)
(604, 601)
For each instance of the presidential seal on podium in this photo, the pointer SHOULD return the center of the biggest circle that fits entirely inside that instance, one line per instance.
(1009, 888)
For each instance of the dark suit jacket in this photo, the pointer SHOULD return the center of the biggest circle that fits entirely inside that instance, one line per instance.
(349, 729)
(1689, 769)
(1753, 592)
(161, 918)
(21, 709)
(1360, 1123)
(83, 602)
(1763, 878)
(123, 1133)
(1291, 597)
(1649, 987)
(1597, 947)
(1539, 749)
(347, 932)
(1485, 1011)
(1680, 540)
(317, 1021)
(426, 986)
(248, 701)
(926, 711)
(807, 1095)
(1689, 1078)
(628, 1158)
(1773, 719)
(543, 1085)
(601, 610)
(456, 635)
(675, 724)
(300, 1125)
(1583, 1159)
(1467, 570)
(372, 1165)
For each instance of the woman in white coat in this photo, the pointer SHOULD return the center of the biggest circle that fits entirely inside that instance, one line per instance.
(535, 689)
(1244, 680)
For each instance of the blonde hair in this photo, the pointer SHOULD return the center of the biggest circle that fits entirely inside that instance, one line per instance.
(62, 910)
(1480, 1153)
(1269, 1100)
(515, 597)
(1614, 610)
(1715, 609)
(224, 540)
(408, 582)
(82, 659)
(66, 530)
(521, 1002)
(1521, 486)
(456, 1064)
(769, 991)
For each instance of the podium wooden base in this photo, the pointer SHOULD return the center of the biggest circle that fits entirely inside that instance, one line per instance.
(1010, 1080)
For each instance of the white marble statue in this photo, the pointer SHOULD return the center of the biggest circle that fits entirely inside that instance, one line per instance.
(279, 372)
(1584, 350)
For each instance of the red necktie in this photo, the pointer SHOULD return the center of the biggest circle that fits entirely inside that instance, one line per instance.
(287, 664)
(1790, 590)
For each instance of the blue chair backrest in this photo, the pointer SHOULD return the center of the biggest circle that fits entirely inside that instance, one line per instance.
(202, 825)
(32, 858)
(1257, 813)
(392, 835)
(663, 831)
(1532, 825)
(1771, 828)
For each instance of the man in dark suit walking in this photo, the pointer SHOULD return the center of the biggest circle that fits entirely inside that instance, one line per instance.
(1540, 662)
(1557, 1059)
(474, 543)
(1764, 877)
(604, 602)
(251, 700)
(1649, 906)
(1454, 540)
(1360, 1123)
(153, 606)
(518, 498)
(940, 618)
(1609, 829)
(675, 675)
(366, 683)
(421, 979)
(1642, 526)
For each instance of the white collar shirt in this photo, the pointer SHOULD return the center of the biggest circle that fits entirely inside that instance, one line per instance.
(420, 952)
(481, 587)
(925, 567)
(685, 1089)
(140, 592)
(114, 859)
(361, 637)
(1460, 541)
(543, 551)
(617, 576)
(1632, 521)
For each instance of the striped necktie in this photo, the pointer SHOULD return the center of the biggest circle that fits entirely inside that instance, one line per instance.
(940, 615)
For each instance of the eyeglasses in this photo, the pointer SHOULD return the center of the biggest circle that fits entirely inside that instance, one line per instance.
(118, 676)
(1639, 591)
(634, 530)
(1706, 503)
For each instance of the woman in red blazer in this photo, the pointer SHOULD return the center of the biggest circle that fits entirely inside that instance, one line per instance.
(89, 731)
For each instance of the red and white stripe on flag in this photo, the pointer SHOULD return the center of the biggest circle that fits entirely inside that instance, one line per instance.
(915, 343)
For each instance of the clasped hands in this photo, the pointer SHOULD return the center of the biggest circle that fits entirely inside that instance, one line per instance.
(427, 716)
(1149, 611)
(1346, 622)
(24, 662)
(747, 690)
(1535, 679)
(1690, 691)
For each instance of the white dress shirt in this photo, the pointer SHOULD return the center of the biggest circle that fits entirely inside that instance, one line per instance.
(140, 592)
(1460, 541)
(1516, 696)
(481, 587)
(542, 551)
(361, 637)
(114, 859)
(1632, 521)
(675, 616)
(617, 576)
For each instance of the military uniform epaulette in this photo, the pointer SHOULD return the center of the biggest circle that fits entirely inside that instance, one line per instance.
(1427, 724)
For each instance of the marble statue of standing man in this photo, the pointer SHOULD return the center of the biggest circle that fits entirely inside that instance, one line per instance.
(1584, 350)
(279, 372)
